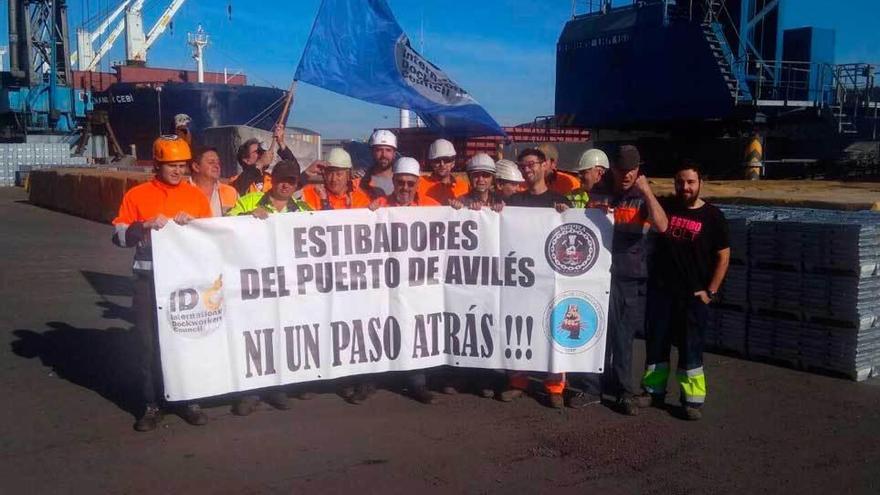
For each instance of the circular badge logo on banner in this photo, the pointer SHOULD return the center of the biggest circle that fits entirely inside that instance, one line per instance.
(572, 249)
(574, 322)
(196, 312)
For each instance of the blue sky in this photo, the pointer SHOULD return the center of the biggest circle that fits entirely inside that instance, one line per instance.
(501, 51)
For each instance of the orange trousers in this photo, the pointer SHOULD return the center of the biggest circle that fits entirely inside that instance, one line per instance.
(554, 383)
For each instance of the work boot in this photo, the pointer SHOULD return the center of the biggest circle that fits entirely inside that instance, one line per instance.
(423, 395)
(626, 406)
(581, 400)
(556, 401)
(245, 405)
(487, 393)
(278, 400)
(150, 419)
(362, 392)
(647, 399)
(510, 395)
(693, 413)
(193, 414)
(346, 392)
(305, 395)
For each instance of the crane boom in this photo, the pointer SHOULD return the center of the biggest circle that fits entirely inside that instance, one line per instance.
(159, 28)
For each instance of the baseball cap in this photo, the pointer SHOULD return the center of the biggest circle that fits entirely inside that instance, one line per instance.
(406, 165)
(286, 169)
(628, 158)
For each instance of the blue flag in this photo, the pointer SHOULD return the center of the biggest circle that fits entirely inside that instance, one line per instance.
(357, 49)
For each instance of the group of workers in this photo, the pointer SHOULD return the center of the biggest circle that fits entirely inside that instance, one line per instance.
(669, 257)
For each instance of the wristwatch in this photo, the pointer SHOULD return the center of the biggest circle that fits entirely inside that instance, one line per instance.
(712, 295)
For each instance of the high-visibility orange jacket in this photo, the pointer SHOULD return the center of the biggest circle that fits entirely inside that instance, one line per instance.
(562, 183)
(147, 201)
(432, 187)
(418, 201)
(356, 198)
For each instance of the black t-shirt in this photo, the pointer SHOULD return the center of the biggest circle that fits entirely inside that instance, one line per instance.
(547, 199)
(687, 252)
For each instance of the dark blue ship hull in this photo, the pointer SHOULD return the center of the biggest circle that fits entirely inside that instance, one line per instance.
(627, 68)
(139, 112)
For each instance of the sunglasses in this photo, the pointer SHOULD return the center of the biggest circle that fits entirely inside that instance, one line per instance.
(405, 183)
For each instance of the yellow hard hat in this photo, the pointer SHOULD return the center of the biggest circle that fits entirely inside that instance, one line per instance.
(171, 148)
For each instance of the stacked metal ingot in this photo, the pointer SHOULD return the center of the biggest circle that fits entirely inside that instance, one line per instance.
(814, 290)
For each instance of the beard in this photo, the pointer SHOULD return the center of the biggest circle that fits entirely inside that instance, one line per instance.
(689, 200)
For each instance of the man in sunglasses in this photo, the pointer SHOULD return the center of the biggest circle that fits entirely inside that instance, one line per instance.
(406, 185)
(441, 185)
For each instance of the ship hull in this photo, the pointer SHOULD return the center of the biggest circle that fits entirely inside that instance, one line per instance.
(139, 112)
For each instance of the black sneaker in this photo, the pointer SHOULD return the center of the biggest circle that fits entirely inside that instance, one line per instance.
(245, 405)
(278, 400)
(150, 420)
(193, 414)
(581, 400)
(626, 406)
(423, 395)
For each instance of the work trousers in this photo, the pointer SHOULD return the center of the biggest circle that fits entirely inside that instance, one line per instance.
(626, 315)
(147, 357)
(678, 319)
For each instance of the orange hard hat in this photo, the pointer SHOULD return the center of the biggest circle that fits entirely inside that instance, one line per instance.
(171, 148)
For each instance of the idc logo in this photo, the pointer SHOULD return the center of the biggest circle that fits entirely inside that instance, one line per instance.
(196, 312)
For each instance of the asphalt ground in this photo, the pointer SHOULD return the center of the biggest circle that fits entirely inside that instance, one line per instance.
(67, 413)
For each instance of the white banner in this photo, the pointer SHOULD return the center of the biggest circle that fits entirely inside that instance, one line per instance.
(246, 303)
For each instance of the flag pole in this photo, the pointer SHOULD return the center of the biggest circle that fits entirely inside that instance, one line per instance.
(285, 112)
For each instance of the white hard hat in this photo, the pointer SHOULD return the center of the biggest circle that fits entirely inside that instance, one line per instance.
(441, 148)
(590, 159)
(339, 158)
(406, 165)
(383, 137)
(481, 162)
(507, 170)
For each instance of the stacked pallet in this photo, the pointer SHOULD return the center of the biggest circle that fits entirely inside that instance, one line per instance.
(813, 289)
(19, 159)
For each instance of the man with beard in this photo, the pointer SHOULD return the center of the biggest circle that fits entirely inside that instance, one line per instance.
(690, 263)
(441, 185)
(378, 180)
(535, 169)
